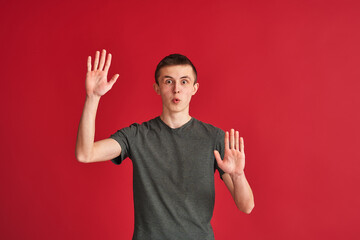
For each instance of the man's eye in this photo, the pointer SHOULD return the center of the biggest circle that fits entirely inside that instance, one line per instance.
(168, 81)
(183, 81)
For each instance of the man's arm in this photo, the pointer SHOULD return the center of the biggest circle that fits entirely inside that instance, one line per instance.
(96, 86)
(234, 177)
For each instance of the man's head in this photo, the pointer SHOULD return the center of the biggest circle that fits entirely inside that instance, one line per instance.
(176, 83)
(172, 60)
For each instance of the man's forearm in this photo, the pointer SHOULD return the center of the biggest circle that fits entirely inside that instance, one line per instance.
(243, 195)
(240, 191)
(86, 131)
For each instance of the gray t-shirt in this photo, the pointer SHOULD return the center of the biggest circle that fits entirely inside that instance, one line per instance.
(173, 177)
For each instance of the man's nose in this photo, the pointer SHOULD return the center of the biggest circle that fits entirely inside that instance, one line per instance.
(177, 87)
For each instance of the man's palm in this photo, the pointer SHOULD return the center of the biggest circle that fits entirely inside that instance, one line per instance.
(96, 78)
(234, 155)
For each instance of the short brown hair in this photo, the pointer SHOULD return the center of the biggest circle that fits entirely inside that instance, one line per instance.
(171, 60)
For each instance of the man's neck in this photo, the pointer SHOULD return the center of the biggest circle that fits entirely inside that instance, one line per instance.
(175, 120)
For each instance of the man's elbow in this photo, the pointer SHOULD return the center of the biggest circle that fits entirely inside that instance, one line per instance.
(247, 209)
(82, 158)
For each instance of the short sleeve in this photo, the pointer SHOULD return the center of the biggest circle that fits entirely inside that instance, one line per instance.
(220, 147)
(125, 137)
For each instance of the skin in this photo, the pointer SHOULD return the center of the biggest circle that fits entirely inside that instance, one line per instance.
(176, 83)
(233, 165)
(176, 88)
(96, 85)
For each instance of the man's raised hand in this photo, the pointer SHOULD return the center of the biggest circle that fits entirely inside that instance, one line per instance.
(234, 156)
(96, 78)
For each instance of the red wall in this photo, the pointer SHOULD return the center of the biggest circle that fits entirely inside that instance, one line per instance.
(284, 73)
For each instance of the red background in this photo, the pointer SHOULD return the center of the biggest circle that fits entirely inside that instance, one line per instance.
(284, 73)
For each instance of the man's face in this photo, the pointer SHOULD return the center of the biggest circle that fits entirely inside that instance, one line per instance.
(176, 87)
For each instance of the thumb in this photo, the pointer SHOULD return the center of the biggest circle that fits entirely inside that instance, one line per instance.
(113, 79)
(218, 157)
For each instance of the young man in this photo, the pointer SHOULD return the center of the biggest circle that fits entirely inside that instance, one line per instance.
(174, 155)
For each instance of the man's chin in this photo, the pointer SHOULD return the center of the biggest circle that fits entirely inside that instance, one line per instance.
(176, 108)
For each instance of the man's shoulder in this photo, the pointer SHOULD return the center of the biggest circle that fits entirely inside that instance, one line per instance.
(152, 124)
(146, 124)
(137, 127)
(207, 126)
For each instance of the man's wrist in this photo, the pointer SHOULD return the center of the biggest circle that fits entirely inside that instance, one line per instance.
(92, 98)
(236, 176)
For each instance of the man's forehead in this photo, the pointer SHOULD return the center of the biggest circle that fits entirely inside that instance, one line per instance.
(177, 71)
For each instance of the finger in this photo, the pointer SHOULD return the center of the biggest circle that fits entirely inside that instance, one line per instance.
(232, 139)
(89, 64)
(113, 79)
(108, 62)
(237, 140)
(102, 59)
(226, 140)
(242, 145)
(218, 158)
(96, 61)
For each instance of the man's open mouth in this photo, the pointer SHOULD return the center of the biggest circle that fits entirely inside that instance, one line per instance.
(176, 100)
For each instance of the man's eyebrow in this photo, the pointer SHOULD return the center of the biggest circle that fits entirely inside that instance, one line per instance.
(186, 76)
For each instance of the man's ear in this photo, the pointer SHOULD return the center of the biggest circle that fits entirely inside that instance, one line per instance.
(156, 88)
(196, 87)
